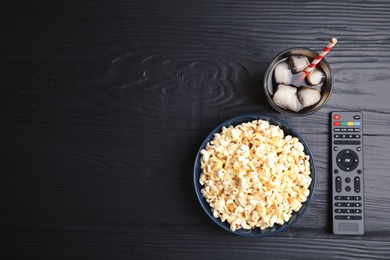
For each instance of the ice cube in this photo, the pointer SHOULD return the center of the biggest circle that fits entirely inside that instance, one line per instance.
(315, 77)
(286, 97)
(283, 73)
(298, 63)
(308, 96)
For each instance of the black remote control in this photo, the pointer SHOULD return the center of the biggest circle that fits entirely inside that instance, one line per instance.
(347, 173)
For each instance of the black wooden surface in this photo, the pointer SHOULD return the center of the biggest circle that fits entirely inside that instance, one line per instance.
(103, 105)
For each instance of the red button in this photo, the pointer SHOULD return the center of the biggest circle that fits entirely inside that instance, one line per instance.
(336, 117)
(336, 123)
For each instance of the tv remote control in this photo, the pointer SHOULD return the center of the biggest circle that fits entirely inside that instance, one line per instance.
(347, 172)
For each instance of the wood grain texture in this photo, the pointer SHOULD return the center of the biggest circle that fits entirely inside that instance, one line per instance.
(104, 104)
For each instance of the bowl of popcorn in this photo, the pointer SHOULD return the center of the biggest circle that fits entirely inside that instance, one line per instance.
(254, 175)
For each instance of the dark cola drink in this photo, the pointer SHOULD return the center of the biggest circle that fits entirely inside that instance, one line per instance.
(293, 89)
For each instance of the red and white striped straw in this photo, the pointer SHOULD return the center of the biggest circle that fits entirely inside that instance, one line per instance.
(320, 56)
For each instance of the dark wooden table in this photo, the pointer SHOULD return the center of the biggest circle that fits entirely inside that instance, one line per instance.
(104, 104)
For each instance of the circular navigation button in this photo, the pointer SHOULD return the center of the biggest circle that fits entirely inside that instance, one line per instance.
(347, 160)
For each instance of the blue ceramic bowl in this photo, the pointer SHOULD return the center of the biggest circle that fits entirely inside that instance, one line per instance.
(256, 232)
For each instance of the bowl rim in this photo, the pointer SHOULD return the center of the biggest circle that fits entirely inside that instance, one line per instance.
(272, 65)
(236, 121)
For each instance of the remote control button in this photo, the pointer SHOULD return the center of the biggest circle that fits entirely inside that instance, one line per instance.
(338, 217)
(338, 184)
(344, 142)
(356, 117)
(336, 117)
(358, 149)
(356, 136)
(357, 184)
(337, 123)
(348, 188)
(347, 204)
(347, 160)
(347, 180)
(353, 211)
(336, 171)
(359, 171)
(356, 129)
(356, 123)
